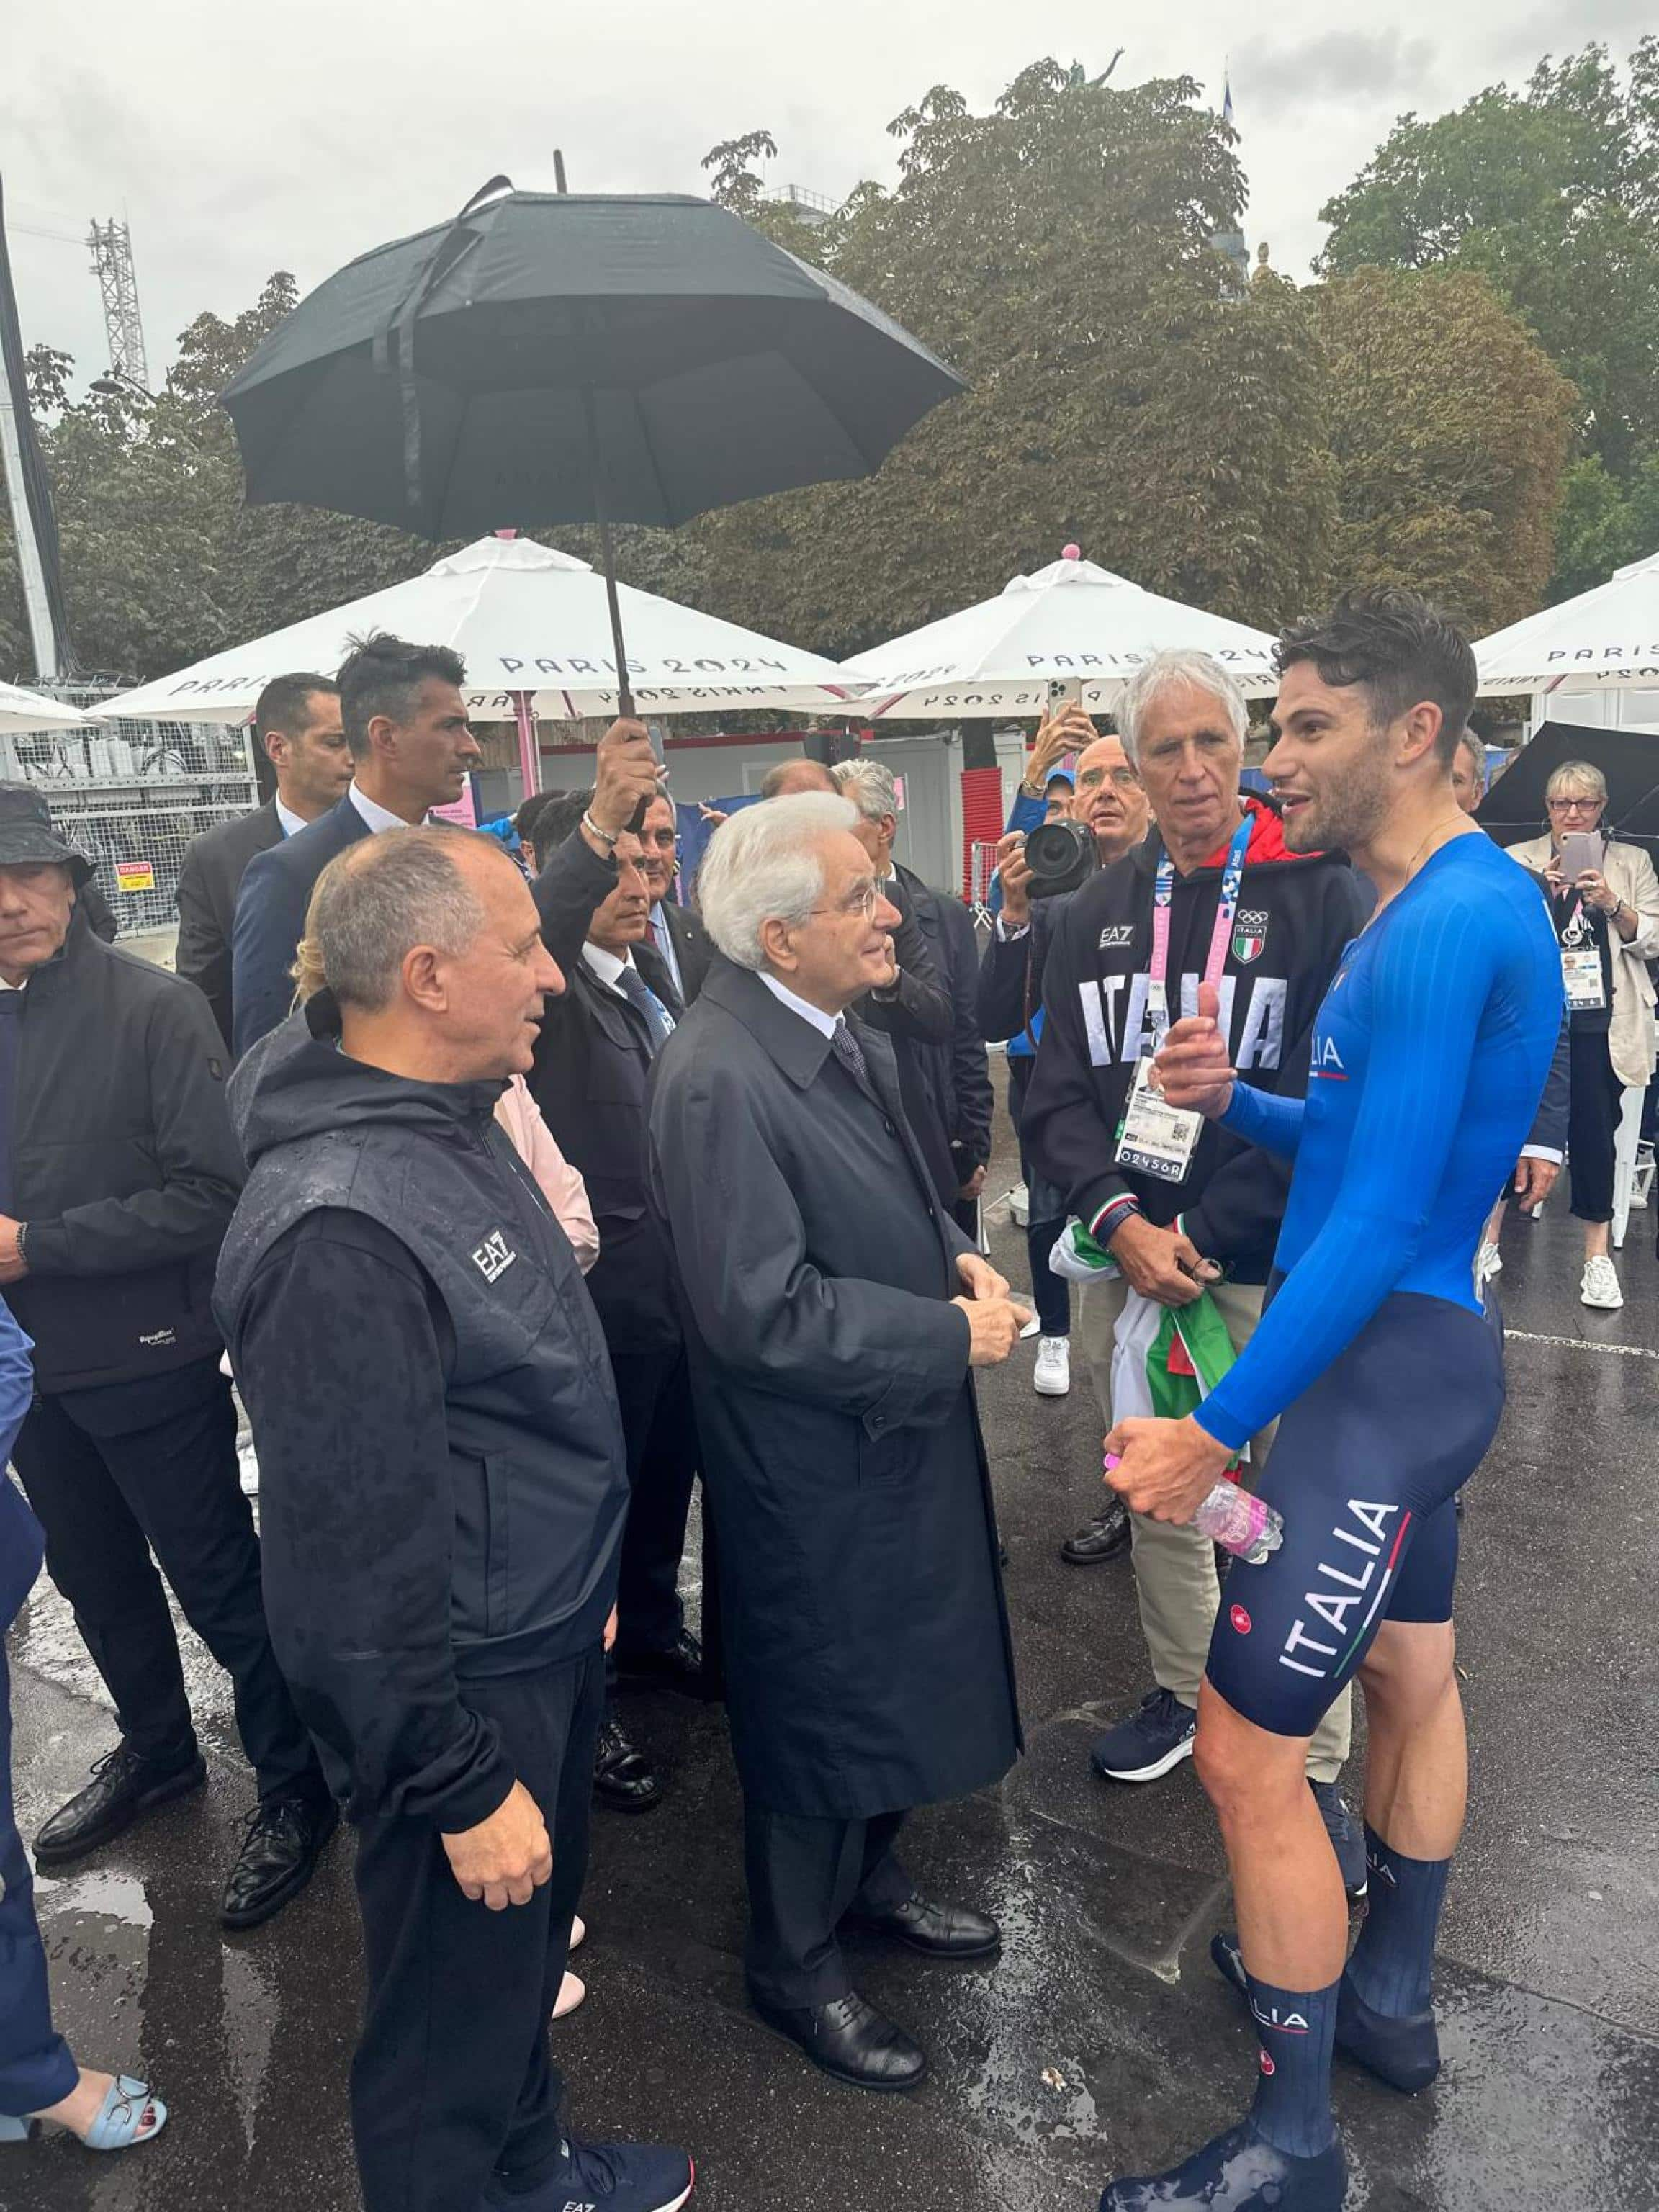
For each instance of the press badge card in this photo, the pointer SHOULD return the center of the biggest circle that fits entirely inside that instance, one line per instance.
(1581, 979)
(1156, 1138)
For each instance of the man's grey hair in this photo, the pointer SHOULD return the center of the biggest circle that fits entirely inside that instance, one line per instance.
(1468, 742)
(869, 784)
(1580, 775)
(766, 864)
(773, 781)
(1171, 671)
(377, 901)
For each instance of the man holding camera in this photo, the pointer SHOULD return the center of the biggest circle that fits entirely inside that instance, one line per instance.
(1213, 896)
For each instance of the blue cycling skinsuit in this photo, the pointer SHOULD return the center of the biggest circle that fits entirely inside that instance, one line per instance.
(1429, 1054)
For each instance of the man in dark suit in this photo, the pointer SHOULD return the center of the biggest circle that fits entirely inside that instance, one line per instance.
(405, 722)
(946, 1083)
(593, 1064)
(297, 720)
(833, 1313)
(680, 940)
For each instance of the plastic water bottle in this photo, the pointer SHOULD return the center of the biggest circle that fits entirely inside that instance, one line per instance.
(1242, 1523)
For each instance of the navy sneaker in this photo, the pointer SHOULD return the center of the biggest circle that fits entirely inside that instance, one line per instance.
(1157, 1736)
(1405, 2052)
(1239, 2172)
(1347, 1839)
(605, 2177)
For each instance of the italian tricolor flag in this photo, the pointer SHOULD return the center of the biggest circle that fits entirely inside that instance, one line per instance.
(1165, 1359)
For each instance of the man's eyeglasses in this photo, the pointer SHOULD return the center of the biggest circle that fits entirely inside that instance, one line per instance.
(862, 900)
(1124, 778)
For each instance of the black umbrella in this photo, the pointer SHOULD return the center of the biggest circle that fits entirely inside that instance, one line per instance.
(1513, 810)
(551, 357)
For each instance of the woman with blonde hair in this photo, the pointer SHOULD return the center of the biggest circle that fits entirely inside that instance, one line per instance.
(1607, 919)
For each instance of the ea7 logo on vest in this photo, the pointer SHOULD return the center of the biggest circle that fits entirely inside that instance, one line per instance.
(1250, 936)
(492, 1259)
(1115, 934)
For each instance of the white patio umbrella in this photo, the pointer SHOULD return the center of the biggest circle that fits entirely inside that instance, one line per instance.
(531, 624)
(1072, 623)
(1606, 636)
(30, 710)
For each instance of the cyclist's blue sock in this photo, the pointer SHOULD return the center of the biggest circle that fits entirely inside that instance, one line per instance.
(1292, 2108)
(1393, 1959)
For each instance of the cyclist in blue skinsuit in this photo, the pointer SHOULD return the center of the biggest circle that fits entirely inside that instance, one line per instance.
(1429, 1054)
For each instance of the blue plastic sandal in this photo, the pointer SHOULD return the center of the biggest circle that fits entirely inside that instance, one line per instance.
(128, 2115)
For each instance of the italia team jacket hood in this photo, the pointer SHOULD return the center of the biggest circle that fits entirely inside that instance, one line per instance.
(1296, 912)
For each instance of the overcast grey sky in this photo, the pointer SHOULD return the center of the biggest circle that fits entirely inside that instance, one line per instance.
(296, 133)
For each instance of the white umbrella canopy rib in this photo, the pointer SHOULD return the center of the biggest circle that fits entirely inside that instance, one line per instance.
(1606, 636)
(526, 619)
(31, 710)
(1072, 623)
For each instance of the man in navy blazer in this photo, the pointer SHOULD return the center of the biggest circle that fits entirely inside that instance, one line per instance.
(405, 722)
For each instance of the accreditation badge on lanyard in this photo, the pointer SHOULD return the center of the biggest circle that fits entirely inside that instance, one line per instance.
(1581, 979)
(1156, 1138)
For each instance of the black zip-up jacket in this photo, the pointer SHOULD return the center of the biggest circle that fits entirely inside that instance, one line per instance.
(124, 1167)
(1296, 912)
(442, 1478)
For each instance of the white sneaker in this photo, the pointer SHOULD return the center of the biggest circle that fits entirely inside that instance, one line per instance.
(1488, 1262)
(1053, 1378)
(1601, 1285)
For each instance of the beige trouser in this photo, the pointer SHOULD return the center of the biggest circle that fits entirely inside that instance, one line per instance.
(1175, 1578)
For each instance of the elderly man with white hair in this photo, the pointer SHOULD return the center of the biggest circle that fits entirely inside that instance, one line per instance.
(1213, 894)
(833, 1312)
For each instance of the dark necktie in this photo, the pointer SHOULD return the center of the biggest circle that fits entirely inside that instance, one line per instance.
(850, 1052)
(658, 1022)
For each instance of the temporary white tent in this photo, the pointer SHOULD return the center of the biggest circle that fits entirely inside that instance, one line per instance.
(532, 626)
(29, 710)
(1606, 637)
(1072, 623)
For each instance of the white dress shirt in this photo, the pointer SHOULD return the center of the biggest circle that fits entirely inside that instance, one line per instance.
(292, 823)
(378, 817)
(826, 1024)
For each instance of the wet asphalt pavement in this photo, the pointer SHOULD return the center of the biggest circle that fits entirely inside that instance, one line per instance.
(1100, 2042)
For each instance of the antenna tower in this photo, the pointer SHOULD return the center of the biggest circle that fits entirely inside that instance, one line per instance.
(111, 264)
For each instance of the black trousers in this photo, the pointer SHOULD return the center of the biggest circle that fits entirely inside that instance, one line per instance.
(453, 2083)
(1051, 1294)
(1595, 1102)
(804, 1875)
(116, 1474)
(660, 1429)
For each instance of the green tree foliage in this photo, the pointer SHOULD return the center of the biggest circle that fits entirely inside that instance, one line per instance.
(1553, 193)
(1056, 252)
(1450, 425)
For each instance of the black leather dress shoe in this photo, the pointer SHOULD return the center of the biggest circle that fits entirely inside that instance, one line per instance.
(124, 1786)
(1103, 1538)
(679, 1668)
(941, 1931)
(285, 1838)
(622, 1779)
(850, 2039)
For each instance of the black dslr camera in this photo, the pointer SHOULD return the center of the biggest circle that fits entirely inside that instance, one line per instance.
(1061, 855)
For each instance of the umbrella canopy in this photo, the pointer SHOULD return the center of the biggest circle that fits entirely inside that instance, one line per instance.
(465, 378)
(1608, 635)
(525, 618)
(1513, 808)
(28, 710)
(1072, 623)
